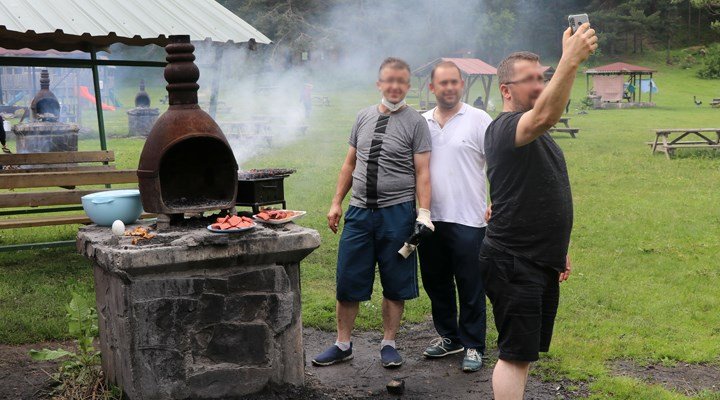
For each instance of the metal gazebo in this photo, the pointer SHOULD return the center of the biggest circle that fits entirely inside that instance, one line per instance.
(472, 69)
(620, 69)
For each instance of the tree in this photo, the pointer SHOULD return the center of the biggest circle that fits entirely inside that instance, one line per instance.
(288, 23)
(496, 30)
(657, 20)
(713, 9)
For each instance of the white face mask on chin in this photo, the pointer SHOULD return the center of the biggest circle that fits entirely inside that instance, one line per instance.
(393, 106)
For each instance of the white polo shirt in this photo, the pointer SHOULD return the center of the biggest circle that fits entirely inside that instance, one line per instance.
(457, 167)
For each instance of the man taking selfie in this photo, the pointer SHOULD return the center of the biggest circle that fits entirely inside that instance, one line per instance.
(524, 254)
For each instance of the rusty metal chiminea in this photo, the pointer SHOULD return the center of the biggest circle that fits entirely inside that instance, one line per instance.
(187, 165)
(45, 106)
(142, 99)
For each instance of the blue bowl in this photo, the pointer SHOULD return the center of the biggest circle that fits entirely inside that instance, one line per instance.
(106, 207)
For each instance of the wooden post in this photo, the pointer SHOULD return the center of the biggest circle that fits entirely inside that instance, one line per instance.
(634, 82)
(422, 87)
(651, 87)
(587, 84)
(488, 85)
(469, 81)
(420, 90)
(427, 93)
(474, 81)
(466, 90)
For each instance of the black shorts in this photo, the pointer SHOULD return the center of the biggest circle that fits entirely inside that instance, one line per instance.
(525, 298)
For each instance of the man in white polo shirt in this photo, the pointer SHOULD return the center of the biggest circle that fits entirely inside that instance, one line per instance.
(449, 257)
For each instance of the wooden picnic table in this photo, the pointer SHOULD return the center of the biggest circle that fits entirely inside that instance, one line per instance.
(567, 129)
(664, 144)
(257, 125)
(321, 101)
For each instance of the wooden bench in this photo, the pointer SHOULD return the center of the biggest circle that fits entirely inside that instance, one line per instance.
(42, 183)
(571, 131)
(715, 103)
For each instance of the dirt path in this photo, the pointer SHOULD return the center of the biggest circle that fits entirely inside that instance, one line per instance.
(687, 379)
(364, 377)
(22, 378)
(361, 378)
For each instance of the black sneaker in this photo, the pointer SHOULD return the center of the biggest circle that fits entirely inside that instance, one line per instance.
(442, 347)
(332, 355)
(390, 357)
(472, 361)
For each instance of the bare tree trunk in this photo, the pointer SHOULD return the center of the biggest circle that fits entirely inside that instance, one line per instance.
(625, 48)
(641, 44)
(689, 23)
(634, 42)
(698, 23)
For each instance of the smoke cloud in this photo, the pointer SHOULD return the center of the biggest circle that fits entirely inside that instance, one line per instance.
(260, 92)
(259, 105)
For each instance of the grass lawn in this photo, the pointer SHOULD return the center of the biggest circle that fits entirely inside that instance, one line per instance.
(645, 244)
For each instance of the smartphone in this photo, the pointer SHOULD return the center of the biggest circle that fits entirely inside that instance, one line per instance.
(576, 20)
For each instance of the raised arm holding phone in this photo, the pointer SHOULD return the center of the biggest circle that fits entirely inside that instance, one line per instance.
(525, 252)
(550, 104)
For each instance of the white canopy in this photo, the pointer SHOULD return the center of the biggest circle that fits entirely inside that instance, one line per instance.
(68, 25)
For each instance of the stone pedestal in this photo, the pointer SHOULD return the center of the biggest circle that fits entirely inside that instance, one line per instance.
(192, 314)
(41, 137)
(141, 120)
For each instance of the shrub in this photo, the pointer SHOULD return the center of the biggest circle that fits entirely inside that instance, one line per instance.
(79, 375)
(711, 65)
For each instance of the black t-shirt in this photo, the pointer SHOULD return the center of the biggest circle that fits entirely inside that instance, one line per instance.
(532, 211)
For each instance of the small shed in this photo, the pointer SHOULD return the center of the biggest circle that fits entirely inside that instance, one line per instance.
(471, 69)
(618, 82)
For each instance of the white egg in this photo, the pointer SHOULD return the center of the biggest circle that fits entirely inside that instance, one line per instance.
(118, 228)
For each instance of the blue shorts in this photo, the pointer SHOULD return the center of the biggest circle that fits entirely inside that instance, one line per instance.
(374, 236)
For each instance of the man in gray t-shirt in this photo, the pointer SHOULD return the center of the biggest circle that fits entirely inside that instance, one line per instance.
(387, 166)
(385, 176)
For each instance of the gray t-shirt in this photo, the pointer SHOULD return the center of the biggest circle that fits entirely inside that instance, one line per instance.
(385, 170)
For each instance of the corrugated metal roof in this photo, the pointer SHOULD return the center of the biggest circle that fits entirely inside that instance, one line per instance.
(469, 66)
(76, 24)
(41, 53)
(618, 68)
(473, 66)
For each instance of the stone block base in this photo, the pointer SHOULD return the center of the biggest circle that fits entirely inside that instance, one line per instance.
(202, 316)
(141, 120)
